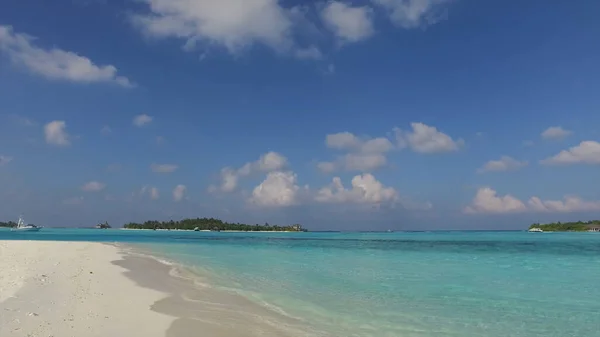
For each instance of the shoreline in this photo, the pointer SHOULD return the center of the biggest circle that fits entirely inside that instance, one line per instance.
(203, 230)
(199, 306)
(63, 288)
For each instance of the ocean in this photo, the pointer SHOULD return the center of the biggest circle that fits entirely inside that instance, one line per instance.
(401, 284)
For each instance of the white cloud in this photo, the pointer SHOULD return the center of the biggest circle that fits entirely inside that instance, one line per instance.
(348, 141)
(93, 186)
(342, 141)
(365, 190)
(365, 154)
(141, 120)
(5, 160)
(426, 139)
(569, 204)
(233, 24)
(56, 64)
(163, 168)
(349, 24)
(179, 192)
(154, 193)
(486, 201)
(279, 189)
(412, 13)
(555, 132)
(56, 133)
(587, 152)
(505, 163)
(268, 162)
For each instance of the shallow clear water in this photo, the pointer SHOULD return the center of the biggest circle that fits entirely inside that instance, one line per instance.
(395, 284)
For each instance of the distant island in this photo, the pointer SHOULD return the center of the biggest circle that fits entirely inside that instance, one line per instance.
(212, 224)
(8, 224)
(579, 226)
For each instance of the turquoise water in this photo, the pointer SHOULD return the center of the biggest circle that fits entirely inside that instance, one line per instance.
(395, 284)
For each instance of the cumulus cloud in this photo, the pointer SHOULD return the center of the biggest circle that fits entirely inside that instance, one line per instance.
(284, 27)
(179, 192)
(587, 152)
(141, 120)
(56, 64)
(279, 189)
(365, 154)
(5, 160)
(93, 186)
(349, 24)
(413, 13)
(163, 168)
(268, 162)
(487, 201)
(505, 163)
(365, 189)
(56, 133)
(426, 139)
(569, 204)
(232, 24)
(555, 132)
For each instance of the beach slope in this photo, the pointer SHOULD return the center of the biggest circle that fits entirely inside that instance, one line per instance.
(52, 288)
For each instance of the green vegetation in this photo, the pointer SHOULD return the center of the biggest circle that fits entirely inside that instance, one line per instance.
(212, 224)
(8, 224)
(579, 226)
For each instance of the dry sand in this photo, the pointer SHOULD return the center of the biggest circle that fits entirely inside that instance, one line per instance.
(66, 289)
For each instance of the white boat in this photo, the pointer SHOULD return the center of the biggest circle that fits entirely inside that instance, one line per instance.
(23, 227)
(536, 230)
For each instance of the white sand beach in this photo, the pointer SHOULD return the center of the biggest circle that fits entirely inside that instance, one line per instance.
(72, 289)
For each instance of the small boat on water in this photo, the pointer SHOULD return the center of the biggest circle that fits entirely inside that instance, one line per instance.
(23, 227)
(536, 230)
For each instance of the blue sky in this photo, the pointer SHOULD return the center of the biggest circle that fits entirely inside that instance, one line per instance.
(375, 114)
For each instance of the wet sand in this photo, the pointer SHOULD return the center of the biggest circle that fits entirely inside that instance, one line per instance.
(199, 307)
(94, 289)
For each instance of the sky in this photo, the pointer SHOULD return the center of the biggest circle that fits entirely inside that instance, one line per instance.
(339, 115)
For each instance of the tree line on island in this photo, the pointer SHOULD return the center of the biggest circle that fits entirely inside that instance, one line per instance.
(579, 226)
(213, 224)
(8, 224)
(198, 224)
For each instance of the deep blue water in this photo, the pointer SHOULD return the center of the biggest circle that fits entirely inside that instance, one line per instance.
(394, 284)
